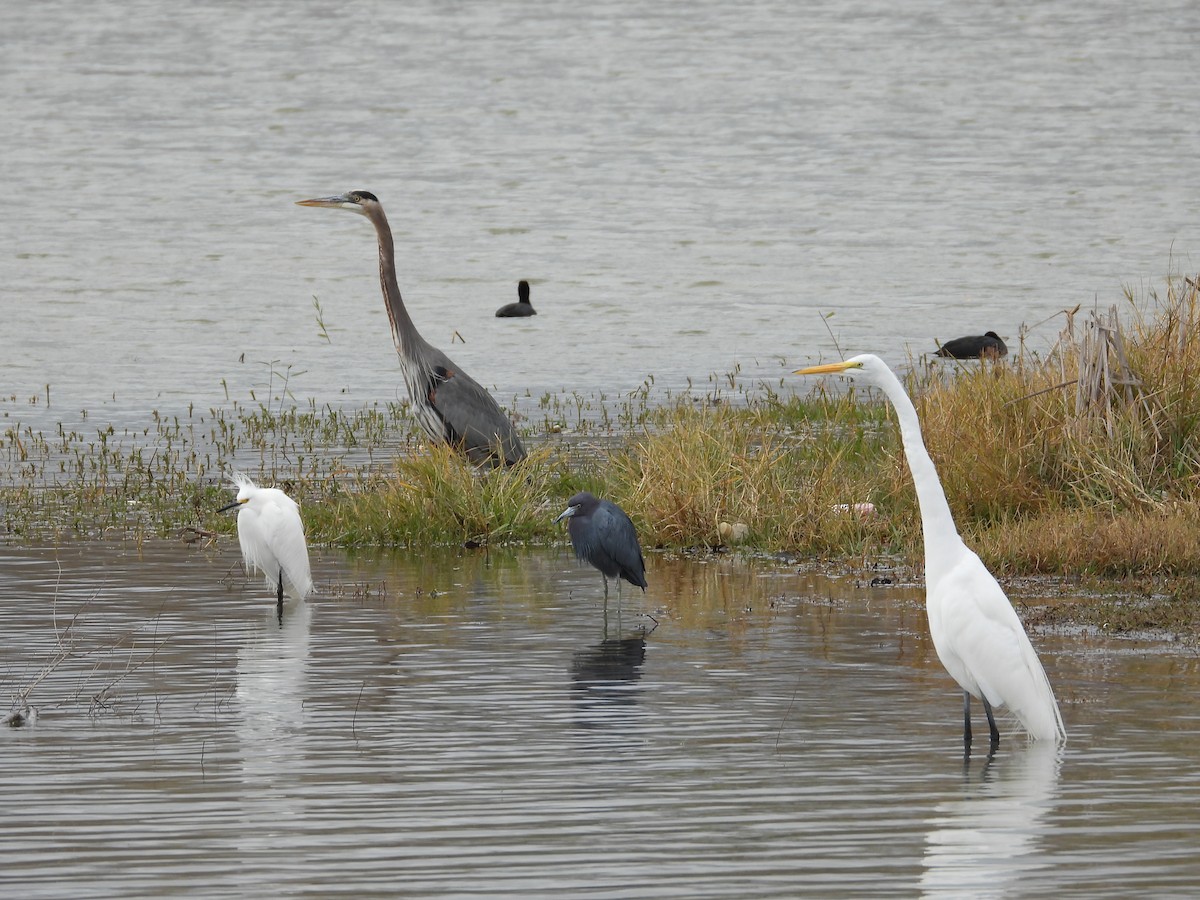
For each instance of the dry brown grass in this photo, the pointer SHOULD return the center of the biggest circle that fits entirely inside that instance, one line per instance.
(1086, 459)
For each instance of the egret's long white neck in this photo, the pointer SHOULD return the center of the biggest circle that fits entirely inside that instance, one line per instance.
(937, 522)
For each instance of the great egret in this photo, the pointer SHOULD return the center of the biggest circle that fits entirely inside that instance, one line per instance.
(976, 632)
(450, 405)
(604, 536)
(974, 346)
(521, 308)
(272, 539)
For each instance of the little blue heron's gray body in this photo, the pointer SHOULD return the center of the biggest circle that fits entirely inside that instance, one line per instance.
(603, 536)
(450, 405)
(976, 346)
(521, 308)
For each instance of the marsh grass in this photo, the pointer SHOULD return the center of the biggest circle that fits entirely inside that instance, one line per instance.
(1086, 459)
(1083, 459)
(433, 498)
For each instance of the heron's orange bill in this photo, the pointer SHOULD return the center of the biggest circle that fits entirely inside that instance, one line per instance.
(828, 368)
(331, 202)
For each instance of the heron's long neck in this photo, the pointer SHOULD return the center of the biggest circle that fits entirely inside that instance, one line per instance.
(404, 332)
(937, 522)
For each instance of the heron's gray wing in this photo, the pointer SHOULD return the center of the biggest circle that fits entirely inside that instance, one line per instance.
(614, 532)
(471, 418)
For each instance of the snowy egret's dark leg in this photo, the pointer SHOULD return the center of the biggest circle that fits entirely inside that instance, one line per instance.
(967, 719)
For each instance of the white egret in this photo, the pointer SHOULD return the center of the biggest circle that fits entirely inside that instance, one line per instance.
(272, 538)
(976, 632)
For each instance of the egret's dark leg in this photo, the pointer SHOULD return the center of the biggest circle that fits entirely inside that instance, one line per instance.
(279, 601)
(995, 732)
(966, 718)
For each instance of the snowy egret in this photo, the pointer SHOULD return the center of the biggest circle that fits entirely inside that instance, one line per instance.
(450, 405)
(272, 538)
(977, 634)
(604, 536)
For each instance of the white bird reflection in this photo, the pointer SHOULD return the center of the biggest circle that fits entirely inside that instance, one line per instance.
(986, 841)
(272, 672)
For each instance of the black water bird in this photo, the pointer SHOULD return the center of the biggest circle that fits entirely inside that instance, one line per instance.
(521, 308)
(450, 405)
(975, 346)
(603, 536)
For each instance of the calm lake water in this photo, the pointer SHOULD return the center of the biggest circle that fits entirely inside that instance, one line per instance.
(688, 186)
(461, 725)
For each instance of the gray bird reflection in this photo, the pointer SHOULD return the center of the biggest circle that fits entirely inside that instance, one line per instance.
(984, 842)
(604, 680)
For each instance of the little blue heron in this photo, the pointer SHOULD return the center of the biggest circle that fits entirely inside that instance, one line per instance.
(521, 308)
(602, 535)
(975, 346)
(272, 539)
(449, 404)
(976, 633)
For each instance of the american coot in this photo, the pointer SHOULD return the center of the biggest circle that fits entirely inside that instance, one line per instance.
(521, 308)
(975, 346)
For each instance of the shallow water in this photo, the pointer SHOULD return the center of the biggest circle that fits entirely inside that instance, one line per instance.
(466, 725)
(689, 187)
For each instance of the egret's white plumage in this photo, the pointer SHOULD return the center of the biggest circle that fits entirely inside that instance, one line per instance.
(272, 538)
(977, 634)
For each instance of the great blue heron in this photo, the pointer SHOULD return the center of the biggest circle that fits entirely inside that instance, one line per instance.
(975, 346)
(272, 539)
(521, 308)
(977, 635)
(602, 535)
(450, 405)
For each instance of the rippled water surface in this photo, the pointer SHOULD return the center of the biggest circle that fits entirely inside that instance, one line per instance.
(690, 187)
(459, 725)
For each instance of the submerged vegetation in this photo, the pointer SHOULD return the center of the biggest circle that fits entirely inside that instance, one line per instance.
(1085, 459)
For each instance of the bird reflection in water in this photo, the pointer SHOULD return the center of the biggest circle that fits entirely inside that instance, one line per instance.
(272, 686)
(987, 839)
(604, 679)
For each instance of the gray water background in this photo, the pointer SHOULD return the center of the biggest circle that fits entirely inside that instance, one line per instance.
(689, 186)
